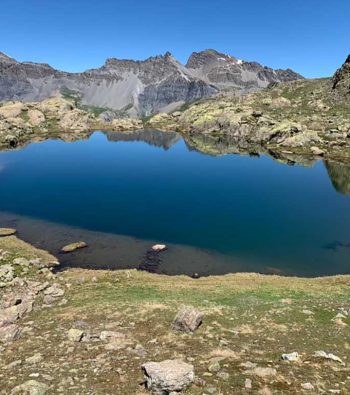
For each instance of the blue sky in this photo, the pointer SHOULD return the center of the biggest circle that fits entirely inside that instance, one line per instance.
(309, 36)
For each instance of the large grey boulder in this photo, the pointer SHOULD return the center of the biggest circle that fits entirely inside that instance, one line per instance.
(168, 376)
(188, 319)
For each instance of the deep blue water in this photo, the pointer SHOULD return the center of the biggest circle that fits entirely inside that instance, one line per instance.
(253, 209)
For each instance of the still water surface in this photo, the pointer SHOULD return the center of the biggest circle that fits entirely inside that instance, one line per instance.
(218, 213)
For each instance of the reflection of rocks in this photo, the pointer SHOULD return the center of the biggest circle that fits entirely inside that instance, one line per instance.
(226, 144)
(149, 136)
(339, 173)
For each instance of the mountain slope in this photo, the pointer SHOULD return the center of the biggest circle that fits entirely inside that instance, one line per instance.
(137, 88)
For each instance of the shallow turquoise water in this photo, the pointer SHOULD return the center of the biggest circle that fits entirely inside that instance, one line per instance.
(264, 213)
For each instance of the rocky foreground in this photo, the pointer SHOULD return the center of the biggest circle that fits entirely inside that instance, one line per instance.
(130, 332)
(299, 117)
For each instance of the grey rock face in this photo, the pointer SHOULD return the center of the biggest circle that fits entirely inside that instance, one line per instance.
(138, 88)
(228, 73)
(341, 79)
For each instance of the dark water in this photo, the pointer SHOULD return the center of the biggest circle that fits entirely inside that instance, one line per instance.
(122, 192)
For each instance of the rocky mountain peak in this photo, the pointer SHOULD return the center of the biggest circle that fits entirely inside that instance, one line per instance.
(341, 79)
(207, 57)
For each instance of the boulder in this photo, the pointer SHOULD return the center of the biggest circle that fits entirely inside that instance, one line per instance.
(74, 246)
(168, 376)
(188, 319)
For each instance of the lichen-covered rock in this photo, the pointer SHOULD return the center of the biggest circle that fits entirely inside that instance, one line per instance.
(168, 376)
(188, 319)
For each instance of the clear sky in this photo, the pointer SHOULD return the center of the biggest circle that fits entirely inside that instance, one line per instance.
(309, 36)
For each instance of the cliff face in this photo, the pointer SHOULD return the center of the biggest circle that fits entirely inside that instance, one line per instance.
(138, 88)
(341, 79)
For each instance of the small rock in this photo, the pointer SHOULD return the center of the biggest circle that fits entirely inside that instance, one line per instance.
(223, 375)
(21, 262)
(188, 320)
(36, 358)
(168, 376)
(308, 312)
(323, 354)
(263, 372)
(9, 333)
(110, 335)
(159, 247)
(74, 246)
(307, 386)
(7, 232)
(31, 387)
(292, 357)
(75, 335)
(317, 151)
(248, 384)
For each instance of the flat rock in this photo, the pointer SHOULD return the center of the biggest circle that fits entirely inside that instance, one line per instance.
(168, 376)
(74, 246)
(188, 319)
(263, 372)
(7, 232)
(159, 247)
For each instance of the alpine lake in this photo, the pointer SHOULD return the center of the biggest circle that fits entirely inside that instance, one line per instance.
(217, 208)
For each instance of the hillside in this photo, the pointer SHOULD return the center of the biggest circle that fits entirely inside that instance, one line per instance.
(303, 116)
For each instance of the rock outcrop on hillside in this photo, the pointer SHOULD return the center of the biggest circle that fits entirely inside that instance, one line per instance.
(22, 122)
(341, 79)
(138, 88)
(300, 117)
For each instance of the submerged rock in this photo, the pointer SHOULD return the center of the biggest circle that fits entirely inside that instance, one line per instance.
(74, 246)
(188, 319)
(7, 232)
(168, 376)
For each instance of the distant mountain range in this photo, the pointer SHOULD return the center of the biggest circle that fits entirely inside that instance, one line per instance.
(139, 88)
